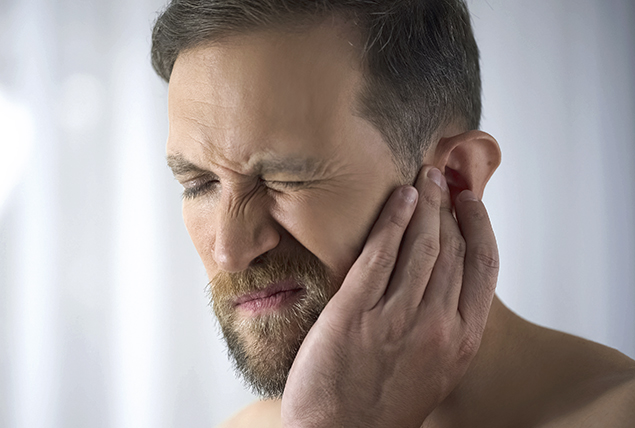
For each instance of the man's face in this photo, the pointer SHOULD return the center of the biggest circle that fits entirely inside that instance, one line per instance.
(282, 183)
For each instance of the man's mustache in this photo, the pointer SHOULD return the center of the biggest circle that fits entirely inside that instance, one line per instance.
(301, 266)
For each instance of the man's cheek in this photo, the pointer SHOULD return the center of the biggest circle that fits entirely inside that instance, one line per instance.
(332, 230)
(201, 233)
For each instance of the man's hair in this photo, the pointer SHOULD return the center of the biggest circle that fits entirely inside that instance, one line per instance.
(420, 59)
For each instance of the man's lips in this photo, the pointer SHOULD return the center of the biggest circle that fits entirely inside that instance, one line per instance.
(271, 297)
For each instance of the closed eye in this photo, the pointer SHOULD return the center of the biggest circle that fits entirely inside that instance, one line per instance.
(286, 185)
(201, 186)
(198, 187)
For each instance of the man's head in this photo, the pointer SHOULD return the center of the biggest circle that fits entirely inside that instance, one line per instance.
(419, 59)
(287, 143)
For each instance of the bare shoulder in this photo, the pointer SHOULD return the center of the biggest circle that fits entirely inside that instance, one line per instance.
(608, 402)
(259, 414)
(593, 385)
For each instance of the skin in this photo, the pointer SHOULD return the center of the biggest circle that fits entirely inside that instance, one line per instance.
(262, 109)
(332, 215)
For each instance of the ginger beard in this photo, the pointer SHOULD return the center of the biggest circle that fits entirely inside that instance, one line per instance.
(263, 346)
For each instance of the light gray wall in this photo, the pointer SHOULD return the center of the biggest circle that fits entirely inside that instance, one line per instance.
(559, 95)
(103, 318)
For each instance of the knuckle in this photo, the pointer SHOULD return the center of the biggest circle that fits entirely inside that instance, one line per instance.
(439, 338)
(398, 218)
(468, 347)
(418, 272)
(430, 197)
(455, 246)
(397, 328)
(382, 260)
(487, 256)
(427, 244)
(440, 335)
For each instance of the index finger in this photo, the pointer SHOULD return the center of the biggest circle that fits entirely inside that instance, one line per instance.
(421, 243)
(367, 279)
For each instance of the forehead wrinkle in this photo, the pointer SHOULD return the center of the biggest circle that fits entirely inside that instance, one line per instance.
(221, 93)
(243, 155)
(292, 165)
(213, 148)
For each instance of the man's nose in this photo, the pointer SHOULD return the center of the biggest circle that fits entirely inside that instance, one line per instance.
(242, 235)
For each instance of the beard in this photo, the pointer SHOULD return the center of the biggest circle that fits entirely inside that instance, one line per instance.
(263, 347)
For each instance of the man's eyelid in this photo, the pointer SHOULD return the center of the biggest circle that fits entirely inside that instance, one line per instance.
(185, 177)
(290, 181)
(199, 179)
(289, 178)
(291, 184)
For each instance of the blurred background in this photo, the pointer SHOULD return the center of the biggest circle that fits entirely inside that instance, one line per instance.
(103, 317)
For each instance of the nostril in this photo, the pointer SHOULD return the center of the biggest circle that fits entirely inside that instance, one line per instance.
(260, 259)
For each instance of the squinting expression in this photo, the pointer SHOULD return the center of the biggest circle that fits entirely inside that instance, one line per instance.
(280, 175)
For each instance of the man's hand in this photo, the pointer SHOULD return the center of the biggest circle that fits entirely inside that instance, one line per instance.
(400, 333)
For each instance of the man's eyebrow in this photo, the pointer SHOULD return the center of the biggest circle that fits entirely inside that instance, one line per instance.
(181, 166)
(301, 166)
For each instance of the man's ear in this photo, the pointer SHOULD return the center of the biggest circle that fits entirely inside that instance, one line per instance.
(468, 160)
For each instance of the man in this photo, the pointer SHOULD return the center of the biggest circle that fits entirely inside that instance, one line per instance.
(332, 169)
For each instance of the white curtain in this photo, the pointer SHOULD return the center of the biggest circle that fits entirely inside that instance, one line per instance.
(103, 318)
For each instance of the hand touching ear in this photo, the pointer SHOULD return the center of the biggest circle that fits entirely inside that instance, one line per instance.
(399, 335)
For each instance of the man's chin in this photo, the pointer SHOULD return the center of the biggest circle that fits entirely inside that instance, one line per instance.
(263, 349)
(266, 311)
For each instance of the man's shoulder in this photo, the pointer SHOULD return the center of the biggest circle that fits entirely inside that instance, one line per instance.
(604, 402)
(261, 414)
(591, 384)
(550, 379)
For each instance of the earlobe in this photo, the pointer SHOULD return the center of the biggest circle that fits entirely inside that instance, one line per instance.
(468, 160)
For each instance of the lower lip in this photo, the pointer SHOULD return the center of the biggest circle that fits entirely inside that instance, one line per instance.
(271, 303)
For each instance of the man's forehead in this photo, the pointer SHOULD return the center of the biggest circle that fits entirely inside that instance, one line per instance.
(266, 75)
(264, 104)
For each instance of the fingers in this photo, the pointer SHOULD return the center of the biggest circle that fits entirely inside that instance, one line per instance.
(481, 259)
(414, 255)
(444, 287)
(421, 244)
(367, 279)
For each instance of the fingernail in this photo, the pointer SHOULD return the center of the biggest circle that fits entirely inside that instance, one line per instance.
(438, 178)
(409, 194)
(467, 195)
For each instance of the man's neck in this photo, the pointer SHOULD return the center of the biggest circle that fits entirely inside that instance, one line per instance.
(524, 374)
(501, 352)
